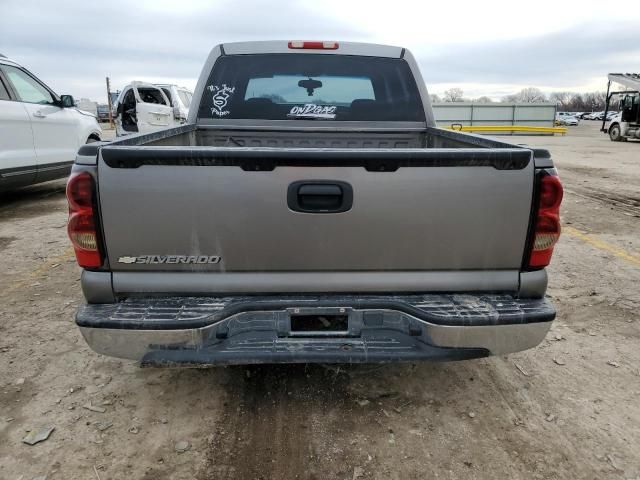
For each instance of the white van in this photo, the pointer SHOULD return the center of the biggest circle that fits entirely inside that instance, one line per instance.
(142, 108)
(40, 132)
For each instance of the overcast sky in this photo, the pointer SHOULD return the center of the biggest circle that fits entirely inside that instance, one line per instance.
(489, 48)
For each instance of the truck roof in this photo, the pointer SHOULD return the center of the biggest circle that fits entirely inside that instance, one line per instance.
(283, 46)
(629, 80)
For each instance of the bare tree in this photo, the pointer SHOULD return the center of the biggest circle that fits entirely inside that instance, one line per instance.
(564, 99)
(594, 101)
(601, 98)
(513, 98)
(435, 98)
(454, 94)
(568, 101)
(483, 99)
(576, 104)
(531, 95)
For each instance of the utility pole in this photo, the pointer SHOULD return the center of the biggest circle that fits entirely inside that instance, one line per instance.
(109, 102)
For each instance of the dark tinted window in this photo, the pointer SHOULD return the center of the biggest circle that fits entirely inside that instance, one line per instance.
(311, 86)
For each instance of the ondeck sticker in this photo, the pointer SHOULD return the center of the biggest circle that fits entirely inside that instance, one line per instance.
(220, 98)
(313, 110)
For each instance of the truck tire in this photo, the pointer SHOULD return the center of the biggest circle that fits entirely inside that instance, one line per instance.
(614, 133)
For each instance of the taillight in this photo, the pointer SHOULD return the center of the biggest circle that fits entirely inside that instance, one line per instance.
(297, 44)
(546, 231)
(82, 226)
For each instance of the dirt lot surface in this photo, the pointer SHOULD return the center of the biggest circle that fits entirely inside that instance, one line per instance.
(569, 409)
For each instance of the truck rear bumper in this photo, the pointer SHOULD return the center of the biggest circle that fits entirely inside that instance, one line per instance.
(299, 329)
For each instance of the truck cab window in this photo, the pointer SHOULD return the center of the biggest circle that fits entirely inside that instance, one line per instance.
(312, 87)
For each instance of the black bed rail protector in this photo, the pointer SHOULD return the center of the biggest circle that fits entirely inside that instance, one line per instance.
(91, 149)
(134, 139)
(266, 159)
(166, 313)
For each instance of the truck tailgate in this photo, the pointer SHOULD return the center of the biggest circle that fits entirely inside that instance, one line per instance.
(233, 209)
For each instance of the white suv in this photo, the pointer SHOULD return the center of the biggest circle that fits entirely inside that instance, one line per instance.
(41, 131)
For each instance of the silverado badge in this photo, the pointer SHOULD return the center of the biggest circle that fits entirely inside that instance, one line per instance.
(169, 259)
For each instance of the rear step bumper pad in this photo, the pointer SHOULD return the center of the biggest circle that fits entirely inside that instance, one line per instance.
(240, 330)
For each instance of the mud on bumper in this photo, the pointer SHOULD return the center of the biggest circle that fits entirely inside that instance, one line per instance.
(379, 328)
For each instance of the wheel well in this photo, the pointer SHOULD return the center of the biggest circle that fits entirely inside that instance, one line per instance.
(94, 136)
(612, 125)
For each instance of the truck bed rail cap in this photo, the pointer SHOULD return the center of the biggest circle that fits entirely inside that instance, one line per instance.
(282, 46)
(265, 158)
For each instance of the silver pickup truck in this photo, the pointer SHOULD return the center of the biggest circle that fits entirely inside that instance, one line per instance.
(311, 211)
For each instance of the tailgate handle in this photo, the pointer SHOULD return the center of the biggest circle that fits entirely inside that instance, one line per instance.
(320, 196)
(323, 190)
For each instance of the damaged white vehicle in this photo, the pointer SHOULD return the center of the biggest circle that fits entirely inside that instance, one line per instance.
(180, 99)
(142, 108)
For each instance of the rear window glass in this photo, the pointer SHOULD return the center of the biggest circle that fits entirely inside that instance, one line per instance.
(334, 91)
(311, 87)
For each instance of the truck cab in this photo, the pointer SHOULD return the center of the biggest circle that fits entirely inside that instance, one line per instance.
(626, 124)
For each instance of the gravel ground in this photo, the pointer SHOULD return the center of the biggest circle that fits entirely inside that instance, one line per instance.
(568, 409)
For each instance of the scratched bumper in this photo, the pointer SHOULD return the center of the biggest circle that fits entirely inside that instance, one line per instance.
(244, 330)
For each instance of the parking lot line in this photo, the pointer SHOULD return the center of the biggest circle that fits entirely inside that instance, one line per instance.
(602, 245)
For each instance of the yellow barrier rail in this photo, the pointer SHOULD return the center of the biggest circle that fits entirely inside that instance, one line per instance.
(505, 128)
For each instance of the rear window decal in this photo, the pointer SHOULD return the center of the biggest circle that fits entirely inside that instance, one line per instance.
(220, 98)
(312, 110)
